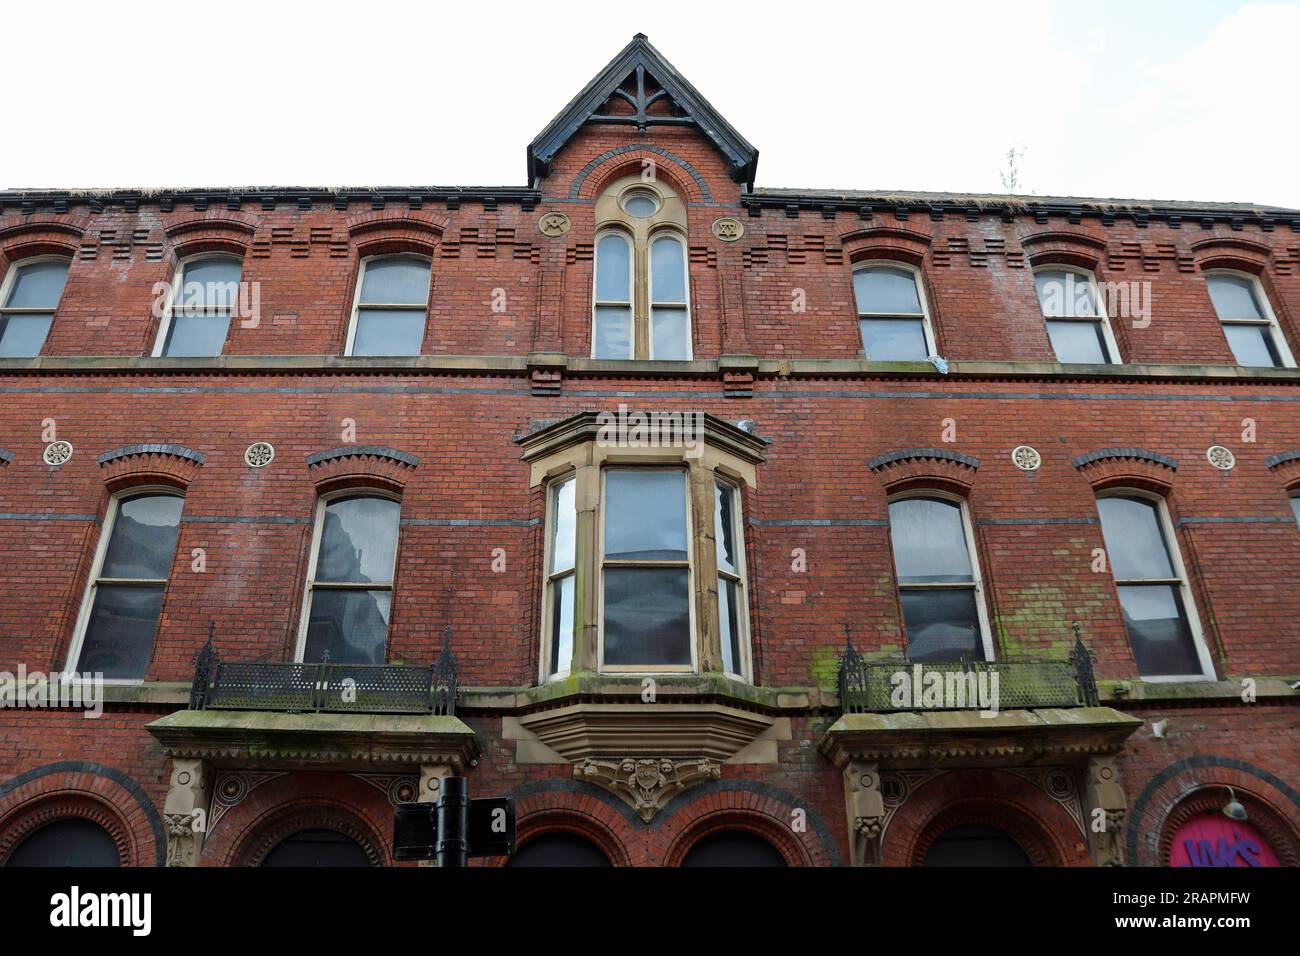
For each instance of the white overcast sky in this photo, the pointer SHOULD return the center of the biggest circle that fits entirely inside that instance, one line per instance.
(1148, 99)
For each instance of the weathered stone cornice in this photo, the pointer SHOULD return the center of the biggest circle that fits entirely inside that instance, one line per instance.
(967, 739)
(260, 740)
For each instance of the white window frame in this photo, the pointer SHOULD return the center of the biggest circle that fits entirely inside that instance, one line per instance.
(630, 304)
(692, 617)
(178, 281)
(742, 578)
(387, 306)
(927, 328)
(92, 584)
(7, 285)
(547, 629)
(1108, 335)
(1183, 581)
(1269, 321)
(968, 530)
(655, 235)
(318, 525)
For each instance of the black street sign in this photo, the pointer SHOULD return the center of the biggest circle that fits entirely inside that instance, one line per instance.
(455, 828)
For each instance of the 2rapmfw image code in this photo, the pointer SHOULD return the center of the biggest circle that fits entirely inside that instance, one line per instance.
(686, 522)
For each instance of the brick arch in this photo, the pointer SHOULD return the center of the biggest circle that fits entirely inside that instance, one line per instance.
(1043, 828)
(1128, 468)
(762, 810)
(1223, 252)
(1164, 793)
(593, 178)
(1286, 465)
(39, 235)
(361, 466)
(395, 231)
(571, 806)
(155, 463)
(918, 469)
(887, 242)
(89, 791)
(1263, 816)
(213, 231)
(289, 804)
(1064, 247)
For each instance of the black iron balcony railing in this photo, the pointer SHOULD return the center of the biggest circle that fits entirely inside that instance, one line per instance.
(1015, 683)
(325, 687)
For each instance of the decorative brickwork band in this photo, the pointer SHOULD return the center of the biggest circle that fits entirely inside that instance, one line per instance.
(1109, 467)
(925, 467)
(150, 463)
(361, 465)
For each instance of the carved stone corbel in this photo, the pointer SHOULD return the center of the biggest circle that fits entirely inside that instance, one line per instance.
(866, 812)
(1105, 809)
(646, 784)
(186, 811)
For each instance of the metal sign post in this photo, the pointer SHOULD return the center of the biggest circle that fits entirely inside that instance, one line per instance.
(455, 828)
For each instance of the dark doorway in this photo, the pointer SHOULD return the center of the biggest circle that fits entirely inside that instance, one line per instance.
(317, 848)
(733, 848)
(559, 849)
(70, 842)
(974, 844)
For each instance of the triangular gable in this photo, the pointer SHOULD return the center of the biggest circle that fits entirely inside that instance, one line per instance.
(640, 88)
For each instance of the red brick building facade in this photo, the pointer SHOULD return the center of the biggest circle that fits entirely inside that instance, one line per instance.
(894, 429)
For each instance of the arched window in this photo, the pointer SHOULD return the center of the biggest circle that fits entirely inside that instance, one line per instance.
(892, 313)
(1248, 321)
(68, 842)
(1159, 614)
(733, 848)
(120, 613)
(29, 297)
(203, 297)
(350, 581)
(975, 844)
(559, 849)
(317, 848)
(939, 586)
(392, 301)
(1075, 315)
(641, 297)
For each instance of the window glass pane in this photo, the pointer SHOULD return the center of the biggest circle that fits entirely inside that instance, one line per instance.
(67, 842)
(1159, 631)
(1295, 508)
(668, 270)
(724, 524)
(388, 332)
(1077, 341)
(196, 335)
(1252, 345)
(669, 330)
(351, 625)
(209, 282)
(729, 624)
(886, 290)
(645, 515)
(38, 285)
(1135, 543)
(613, 262)
(1063, 293)
(565, 517)
(398, 279)
(647, 616)
(21, 336)
(121, 630)
(641, 205)
(358, 541)
(893, 340)
(929, 541)
(143, 538)
(562, 624)
(613, 332)
(941, 624)
(1234, 297)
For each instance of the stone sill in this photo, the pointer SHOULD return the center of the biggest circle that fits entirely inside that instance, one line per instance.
(1123, 692)
(519, 366)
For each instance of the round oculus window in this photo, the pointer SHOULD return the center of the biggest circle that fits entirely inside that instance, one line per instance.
(640, 203)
